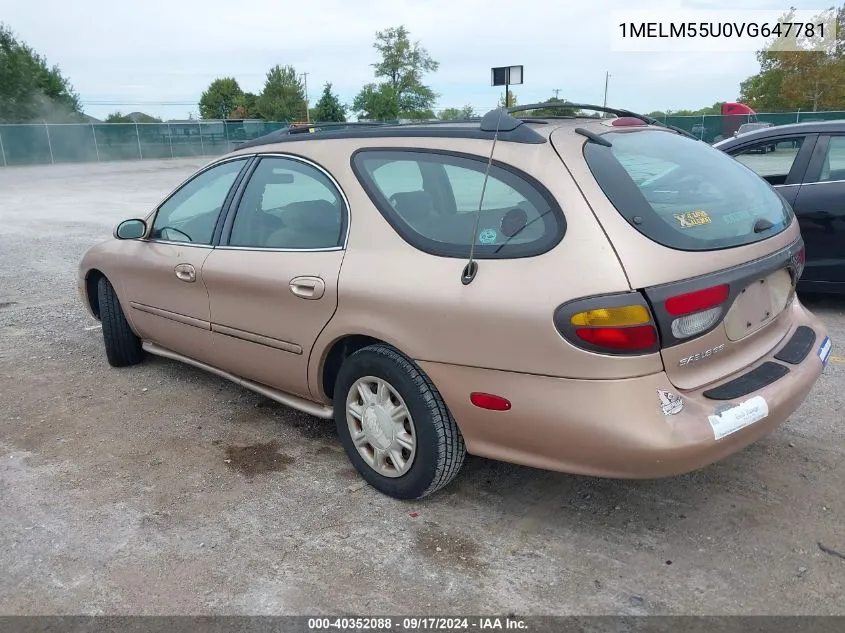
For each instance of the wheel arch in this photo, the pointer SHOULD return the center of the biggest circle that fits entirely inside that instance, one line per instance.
(92, 280)
(326, 365)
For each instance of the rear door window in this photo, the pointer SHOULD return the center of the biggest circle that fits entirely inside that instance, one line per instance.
(431, 198)
(833, 167)
(772, 159)
(683, 193)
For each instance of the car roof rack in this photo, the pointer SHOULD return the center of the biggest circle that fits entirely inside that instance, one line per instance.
(551, 105)
(301, 128)
(465, 128)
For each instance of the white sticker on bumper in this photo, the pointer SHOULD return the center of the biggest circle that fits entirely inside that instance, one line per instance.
(824, 351)
(738, 416)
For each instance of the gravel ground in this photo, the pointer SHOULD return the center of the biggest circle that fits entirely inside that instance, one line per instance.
(159, 489)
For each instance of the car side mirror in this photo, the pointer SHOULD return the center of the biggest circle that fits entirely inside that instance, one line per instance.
(130, 229)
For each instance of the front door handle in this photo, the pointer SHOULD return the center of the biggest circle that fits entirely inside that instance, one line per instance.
(308, 287)
(185, 272)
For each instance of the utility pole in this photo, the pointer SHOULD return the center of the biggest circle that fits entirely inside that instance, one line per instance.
(307, 109)
(556, 91)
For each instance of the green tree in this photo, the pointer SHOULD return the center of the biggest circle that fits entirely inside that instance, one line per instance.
(283, 96)
(250, 103)
(220, 98)
(29, 88)
(716, 108)
(135, 117)
(511, 99)
(763, 92)
(118, 117)
(457, 114)
(563, 110)
(807, 79)
(376, 103)
(329, 107)
(247, 107)
(401, 94)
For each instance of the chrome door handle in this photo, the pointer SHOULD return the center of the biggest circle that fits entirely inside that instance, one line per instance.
(308, 287)
(185, 272)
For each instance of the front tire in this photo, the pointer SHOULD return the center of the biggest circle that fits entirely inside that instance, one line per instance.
(394, 425)
(123, 347)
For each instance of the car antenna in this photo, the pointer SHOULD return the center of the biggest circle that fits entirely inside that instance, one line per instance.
(471, 268)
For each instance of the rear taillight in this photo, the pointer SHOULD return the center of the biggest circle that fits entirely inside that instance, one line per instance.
(620, 338)
(697, 311)
(696, 301)
(623, 325)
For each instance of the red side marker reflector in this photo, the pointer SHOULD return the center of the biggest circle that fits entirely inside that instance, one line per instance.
(489, 401)
(698, 300)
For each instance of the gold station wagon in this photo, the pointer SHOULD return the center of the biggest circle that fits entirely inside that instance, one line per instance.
(599, 295)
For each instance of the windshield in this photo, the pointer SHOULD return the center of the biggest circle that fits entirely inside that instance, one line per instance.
(685, 194)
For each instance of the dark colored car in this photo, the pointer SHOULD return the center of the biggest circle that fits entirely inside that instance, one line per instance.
(808, 170)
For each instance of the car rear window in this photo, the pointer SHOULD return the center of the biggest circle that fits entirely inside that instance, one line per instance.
(683, 193)
(431, 200)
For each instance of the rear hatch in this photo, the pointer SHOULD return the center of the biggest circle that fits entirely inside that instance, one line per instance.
(713, 247)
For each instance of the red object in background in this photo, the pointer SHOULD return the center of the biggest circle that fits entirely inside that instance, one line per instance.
(735, 114)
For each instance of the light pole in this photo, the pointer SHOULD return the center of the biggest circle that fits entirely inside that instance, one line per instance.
(606, 78)
(307, 109)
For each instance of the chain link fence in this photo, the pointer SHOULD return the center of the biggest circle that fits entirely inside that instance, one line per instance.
(715, 127)
(46, 143)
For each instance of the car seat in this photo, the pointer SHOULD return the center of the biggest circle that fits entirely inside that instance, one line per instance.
(307, 224)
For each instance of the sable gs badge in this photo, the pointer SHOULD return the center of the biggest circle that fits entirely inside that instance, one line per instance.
(692, 218)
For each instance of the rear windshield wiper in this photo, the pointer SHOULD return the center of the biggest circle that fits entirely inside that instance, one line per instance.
(762, 225)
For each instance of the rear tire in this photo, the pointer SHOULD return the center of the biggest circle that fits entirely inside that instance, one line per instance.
(406, 443)
(123, 347)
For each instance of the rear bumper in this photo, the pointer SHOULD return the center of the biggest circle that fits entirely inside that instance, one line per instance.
(614, 428)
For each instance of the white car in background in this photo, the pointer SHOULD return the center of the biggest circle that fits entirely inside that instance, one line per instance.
(745, 128)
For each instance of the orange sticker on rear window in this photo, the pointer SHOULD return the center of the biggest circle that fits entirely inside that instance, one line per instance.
(692, 218)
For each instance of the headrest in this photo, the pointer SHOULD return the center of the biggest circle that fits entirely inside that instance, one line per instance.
(311, 214)
(278, 177)
(412, 204)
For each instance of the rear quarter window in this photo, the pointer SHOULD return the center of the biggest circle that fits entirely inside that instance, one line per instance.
(430, 199)
(685, 194)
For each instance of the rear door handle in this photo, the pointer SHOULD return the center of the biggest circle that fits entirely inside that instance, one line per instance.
(308, 287)
(185, 272)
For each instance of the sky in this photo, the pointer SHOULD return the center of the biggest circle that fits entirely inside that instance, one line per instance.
(157, 56)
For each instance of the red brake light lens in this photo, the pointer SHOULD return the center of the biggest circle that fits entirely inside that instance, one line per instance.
(620, 338)
(489, 401)
(697, 301)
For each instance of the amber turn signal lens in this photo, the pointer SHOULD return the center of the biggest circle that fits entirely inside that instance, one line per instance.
(612, 317)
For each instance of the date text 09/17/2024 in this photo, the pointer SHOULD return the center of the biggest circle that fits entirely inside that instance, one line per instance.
(422, 623)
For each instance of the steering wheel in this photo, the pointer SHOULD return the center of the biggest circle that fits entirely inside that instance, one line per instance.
(175, 230)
